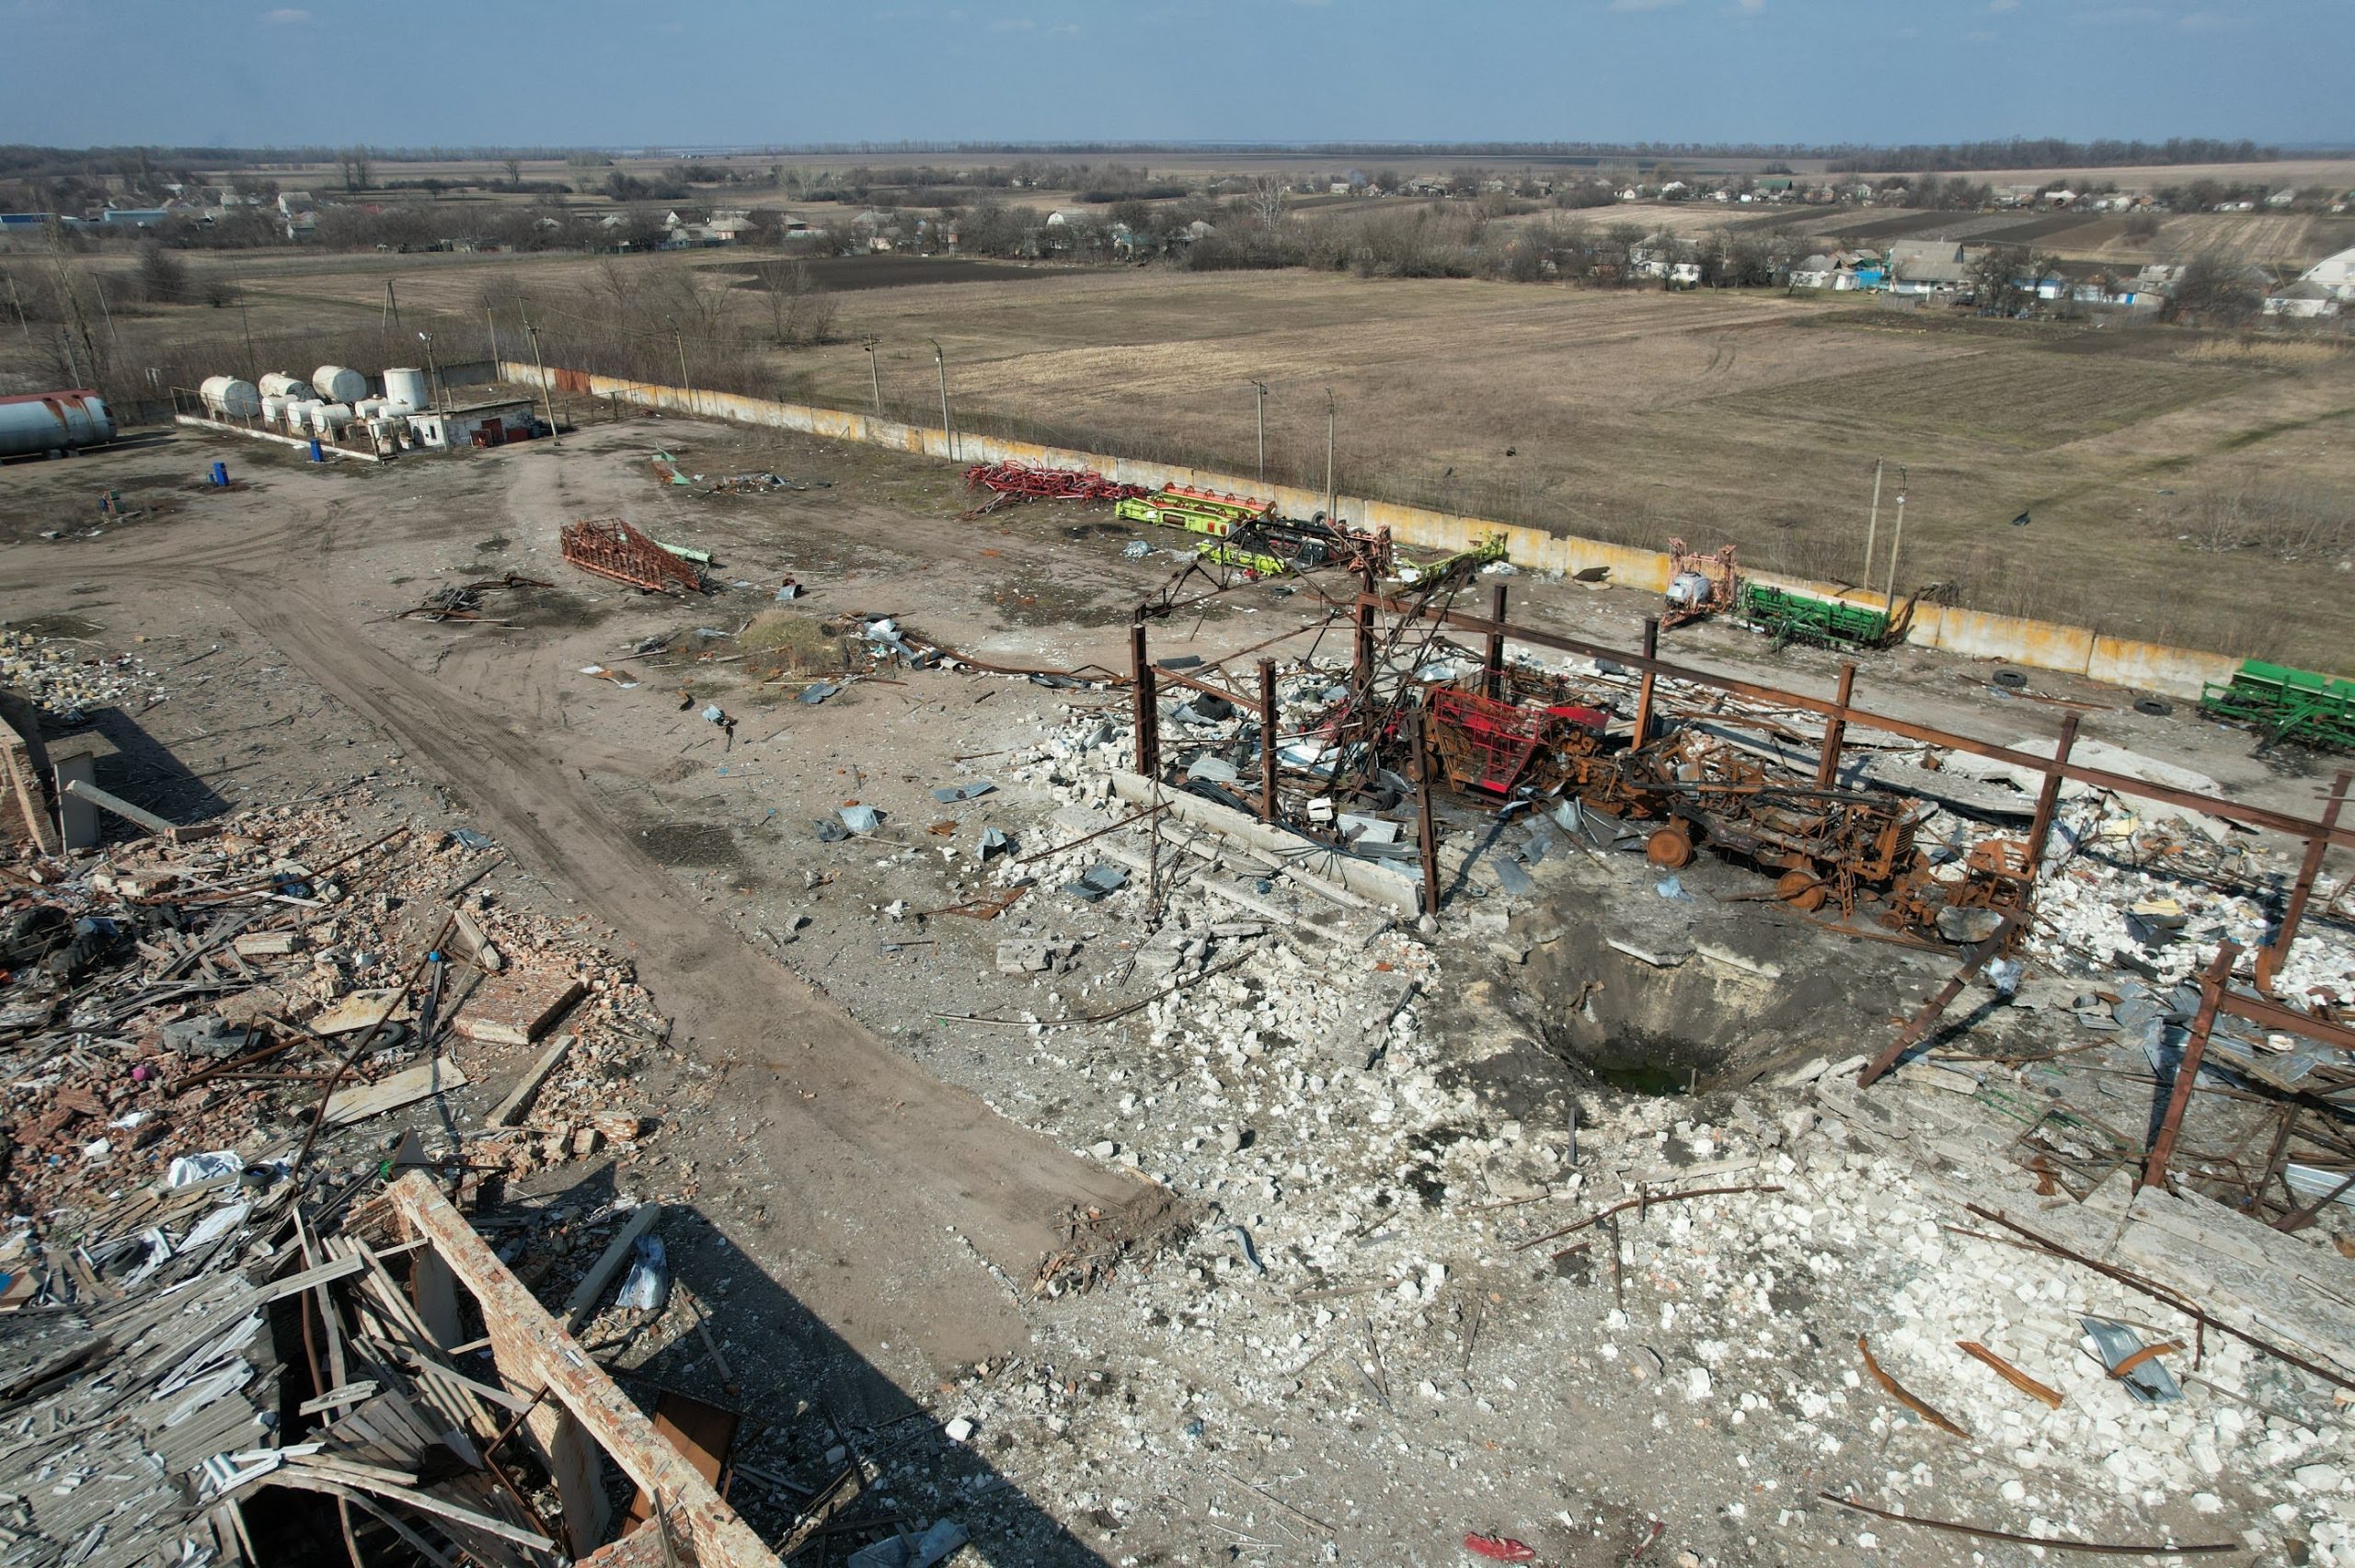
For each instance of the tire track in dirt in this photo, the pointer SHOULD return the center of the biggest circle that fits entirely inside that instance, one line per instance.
(872, 1160)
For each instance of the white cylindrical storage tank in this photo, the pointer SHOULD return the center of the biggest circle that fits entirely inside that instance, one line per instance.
(231, 398)
(298, 415)
(328, 418)
(278, 383)
(369, 407)
(338, 384)
(405, 388)
(273, 411)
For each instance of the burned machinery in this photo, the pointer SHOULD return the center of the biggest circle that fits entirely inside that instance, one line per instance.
(1831, 845)
(1541, 737)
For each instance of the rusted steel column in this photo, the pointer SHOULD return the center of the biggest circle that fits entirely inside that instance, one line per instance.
(1361, 658)
(1148, 706)
(2186, 1072)
(1835, 732)
(2271, 957)
(1427, 831)
(1643, 692)
(1266, 741)
(1493, 679)
(2048, 797)
(1920, 1024)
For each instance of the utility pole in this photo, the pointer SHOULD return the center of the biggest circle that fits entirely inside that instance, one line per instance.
(874, 375)
(1872, 527)
(547, 392)
(1896, 542)
(1328, 457)
(392, 309)
(948, 431)
(100, 284)
(253, 366)
(1259, 400)
(490, 323)
(433, 372)
(73, 365)
(18, 301)
(686, 385)
(81, 325)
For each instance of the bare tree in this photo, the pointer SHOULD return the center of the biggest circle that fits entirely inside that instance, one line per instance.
(1999, 278)
(1268, 198)
(161, 278)
(2212, 289)
(800, 312)
(514, 167)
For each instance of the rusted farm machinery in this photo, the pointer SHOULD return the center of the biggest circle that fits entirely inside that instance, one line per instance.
(1831, 845)
(1009, 483)
(1699, 585)
(1541, 737)
(612, 548)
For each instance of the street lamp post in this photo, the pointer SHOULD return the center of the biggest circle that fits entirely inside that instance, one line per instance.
(874, 375)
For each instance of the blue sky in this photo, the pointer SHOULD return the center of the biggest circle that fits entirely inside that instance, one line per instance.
(718, 71)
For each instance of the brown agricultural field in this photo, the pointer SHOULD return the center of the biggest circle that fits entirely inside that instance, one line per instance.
(2186, 489)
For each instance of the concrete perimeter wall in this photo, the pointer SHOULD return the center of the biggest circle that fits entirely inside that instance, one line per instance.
(2039, 645)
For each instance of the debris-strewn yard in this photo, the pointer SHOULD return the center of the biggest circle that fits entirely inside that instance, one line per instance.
(781, 1030)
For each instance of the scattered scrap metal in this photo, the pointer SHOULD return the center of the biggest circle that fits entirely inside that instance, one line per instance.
(462, 602)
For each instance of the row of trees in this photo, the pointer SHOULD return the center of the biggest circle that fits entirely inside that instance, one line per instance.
(2053, 153)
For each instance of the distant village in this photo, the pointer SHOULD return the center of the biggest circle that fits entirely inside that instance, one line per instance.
(1978, 246)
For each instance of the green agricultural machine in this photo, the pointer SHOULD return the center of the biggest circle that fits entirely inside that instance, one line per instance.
(1790, 617)
(2286, 704)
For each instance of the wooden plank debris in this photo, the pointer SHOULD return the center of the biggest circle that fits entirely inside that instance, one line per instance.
(405, 1087)
(581, 1305)
(510, 1111)
(360, 1010)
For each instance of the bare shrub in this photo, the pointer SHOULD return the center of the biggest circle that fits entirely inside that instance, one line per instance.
(800, 311)
(2286, 520)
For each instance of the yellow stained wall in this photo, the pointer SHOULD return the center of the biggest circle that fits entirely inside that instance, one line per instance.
(1971, 634)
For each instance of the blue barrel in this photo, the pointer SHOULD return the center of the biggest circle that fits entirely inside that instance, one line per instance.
(316, 456)
(220, 475)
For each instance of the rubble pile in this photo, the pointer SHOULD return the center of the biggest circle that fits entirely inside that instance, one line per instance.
(1372, 1256)
(166, 1002)
(2157, 898)
(64, 678)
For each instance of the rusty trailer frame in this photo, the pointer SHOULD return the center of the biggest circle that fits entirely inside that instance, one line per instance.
(613, 549)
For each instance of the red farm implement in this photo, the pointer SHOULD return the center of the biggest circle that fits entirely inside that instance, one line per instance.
(612, 548)
(1495, 746)
(1013, 482)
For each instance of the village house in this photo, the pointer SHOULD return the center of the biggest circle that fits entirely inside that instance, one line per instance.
(1928, 267)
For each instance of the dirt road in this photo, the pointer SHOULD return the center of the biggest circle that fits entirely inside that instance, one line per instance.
(874, 1172)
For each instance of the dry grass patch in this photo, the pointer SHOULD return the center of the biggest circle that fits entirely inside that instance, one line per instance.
(2274, 353)
(780, 643)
